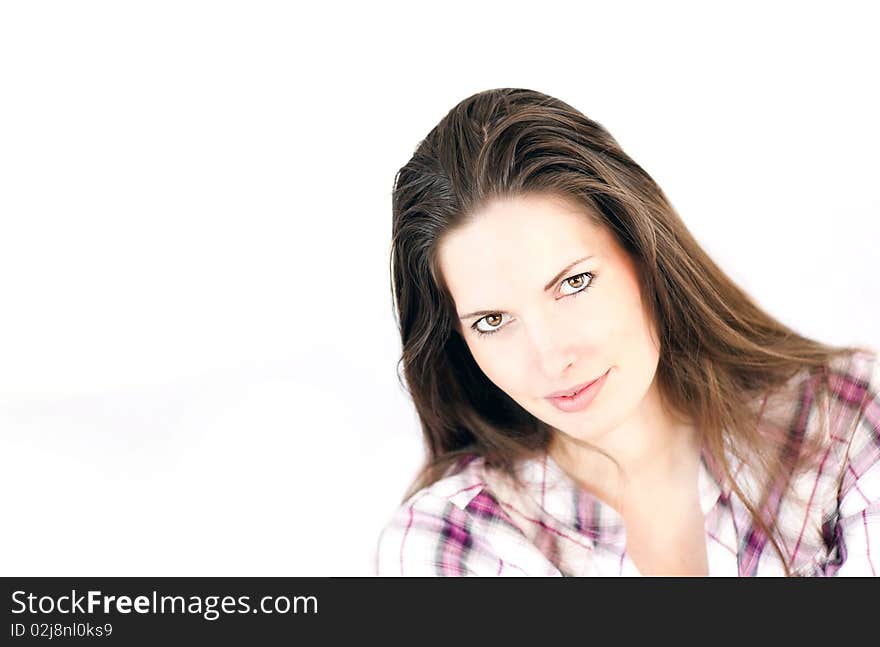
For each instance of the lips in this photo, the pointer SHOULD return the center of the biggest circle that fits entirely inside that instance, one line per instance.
(582, 398)
(573, 390)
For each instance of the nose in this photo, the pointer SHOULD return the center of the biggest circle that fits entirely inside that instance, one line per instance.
(554, 345)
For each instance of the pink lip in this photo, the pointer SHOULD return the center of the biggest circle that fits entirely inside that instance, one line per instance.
(585, 394)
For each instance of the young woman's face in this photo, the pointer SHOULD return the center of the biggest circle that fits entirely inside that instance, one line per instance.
(558, 303)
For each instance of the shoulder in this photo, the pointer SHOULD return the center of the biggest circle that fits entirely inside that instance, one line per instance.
(855, 533)
(854, 385)
(846, 480)
(838, 399)
(848, 419)
(855, 379)
(832, 415)
(858, 390)
(445, 529)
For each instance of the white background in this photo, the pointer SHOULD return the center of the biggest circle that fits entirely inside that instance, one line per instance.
(197, 346)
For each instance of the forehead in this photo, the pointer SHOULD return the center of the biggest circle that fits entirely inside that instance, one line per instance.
(516, 244)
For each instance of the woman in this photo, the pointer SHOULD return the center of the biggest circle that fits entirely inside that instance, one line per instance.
(596, 395)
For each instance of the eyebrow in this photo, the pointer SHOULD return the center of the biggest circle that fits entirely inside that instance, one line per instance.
(549, 285)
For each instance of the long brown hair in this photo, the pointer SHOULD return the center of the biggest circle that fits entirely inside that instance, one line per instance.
(721, 355)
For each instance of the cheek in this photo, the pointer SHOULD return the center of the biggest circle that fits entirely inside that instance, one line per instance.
(636, 337)
(622, 303)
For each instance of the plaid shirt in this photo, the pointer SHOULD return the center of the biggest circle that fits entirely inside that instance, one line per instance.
(473, 521)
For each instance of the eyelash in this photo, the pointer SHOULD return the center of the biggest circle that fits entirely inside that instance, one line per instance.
(591, 278)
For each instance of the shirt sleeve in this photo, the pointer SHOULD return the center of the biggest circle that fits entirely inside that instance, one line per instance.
(430, 536)
(859, 508)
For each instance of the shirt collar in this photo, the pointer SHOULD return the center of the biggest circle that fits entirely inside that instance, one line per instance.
(561, 498)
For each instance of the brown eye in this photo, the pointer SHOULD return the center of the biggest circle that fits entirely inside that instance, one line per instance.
(489, 324)
(578, 283)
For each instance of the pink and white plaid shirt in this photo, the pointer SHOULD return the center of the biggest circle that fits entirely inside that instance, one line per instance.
(473, 522)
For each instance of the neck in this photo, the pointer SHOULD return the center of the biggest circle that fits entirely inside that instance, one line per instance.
(657, 452)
